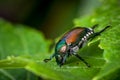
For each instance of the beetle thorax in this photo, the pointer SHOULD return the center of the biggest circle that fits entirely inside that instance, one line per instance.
(61, 46)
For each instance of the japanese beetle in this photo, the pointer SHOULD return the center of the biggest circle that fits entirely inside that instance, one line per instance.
(72, 41)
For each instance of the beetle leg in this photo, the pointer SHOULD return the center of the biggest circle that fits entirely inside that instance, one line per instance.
(94, 26)
(46, 60)
(63, 60)
(97, 33)
(82, 59)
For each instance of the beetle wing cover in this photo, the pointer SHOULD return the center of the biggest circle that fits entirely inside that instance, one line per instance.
(73, 35)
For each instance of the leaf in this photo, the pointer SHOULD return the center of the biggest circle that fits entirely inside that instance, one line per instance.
(19, 46)
(19, 74)
(26, 48)
(72, 69)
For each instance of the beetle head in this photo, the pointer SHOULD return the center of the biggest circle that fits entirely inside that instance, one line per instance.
(59, 59)
(61, 52)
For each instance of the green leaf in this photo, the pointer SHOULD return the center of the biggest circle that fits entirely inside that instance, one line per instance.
(19, 46)
(26, 48)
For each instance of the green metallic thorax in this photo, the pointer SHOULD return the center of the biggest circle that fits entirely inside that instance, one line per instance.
(60, 44)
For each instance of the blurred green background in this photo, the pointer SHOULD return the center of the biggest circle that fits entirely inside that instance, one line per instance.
(52, 17)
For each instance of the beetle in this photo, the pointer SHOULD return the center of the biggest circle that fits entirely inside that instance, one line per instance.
(72, 41)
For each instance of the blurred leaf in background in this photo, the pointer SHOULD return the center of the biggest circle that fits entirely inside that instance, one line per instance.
(23, 49)
(19, 42)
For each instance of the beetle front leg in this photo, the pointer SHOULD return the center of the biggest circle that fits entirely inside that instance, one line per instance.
(81, 59)
(63, 59)
(46, 60)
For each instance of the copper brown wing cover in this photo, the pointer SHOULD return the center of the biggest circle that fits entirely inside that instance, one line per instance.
(73, 35)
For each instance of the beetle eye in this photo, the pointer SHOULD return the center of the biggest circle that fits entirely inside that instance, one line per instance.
(63, 49)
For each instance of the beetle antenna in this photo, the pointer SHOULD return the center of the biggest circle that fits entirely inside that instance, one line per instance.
(95, 26)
